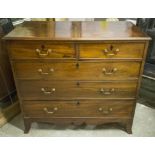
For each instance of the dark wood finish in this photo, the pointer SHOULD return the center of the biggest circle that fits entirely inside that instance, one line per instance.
(95, 68)
(27, 124)
(3, 89)
(52, 90)
(85, 70)
(37, 50)
(124, 123)
(88, 108)
(113, 50)
(97, 30)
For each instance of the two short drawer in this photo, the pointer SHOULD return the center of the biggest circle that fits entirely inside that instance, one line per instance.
(55, 90)
(82, 108)
(51, 50)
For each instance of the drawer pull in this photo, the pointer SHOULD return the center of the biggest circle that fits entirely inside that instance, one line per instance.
(105, 111)
(50, 112)
(111, 51)
(107, 92)
(45, 73)
(43, 52)
(47, 92)
(110, 72)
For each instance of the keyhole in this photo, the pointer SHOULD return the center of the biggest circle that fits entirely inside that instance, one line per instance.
(111, 47)
(78, 84)
(43, 47)
(77, 103)
(77, 65)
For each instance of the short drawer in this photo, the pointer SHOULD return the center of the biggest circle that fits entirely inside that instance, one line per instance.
(40, 50)
(114, 50)
(89, 108)
(77, 71)
(50, 90)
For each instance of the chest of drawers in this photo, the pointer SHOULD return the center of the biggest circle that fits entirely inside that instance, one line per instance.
(77, 72)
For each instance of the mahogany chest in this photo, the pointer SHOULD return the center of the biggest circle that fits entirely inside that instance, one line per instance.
(77, 72)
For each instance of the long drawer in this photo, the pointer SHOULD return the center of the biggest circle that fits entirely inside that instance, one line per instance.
(77, 71)
(38, 49)
(114, 50)
(50, 90)
(89, 108)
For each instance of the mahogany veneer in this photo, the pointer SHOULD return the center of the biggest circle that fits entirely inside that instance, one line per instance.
(77, 72)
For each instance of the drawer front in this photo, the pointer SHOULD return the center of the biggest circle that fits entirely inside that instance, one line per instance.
(39, 50)
(92, 108)
(51, 90)
(116, 50)
(80, 71)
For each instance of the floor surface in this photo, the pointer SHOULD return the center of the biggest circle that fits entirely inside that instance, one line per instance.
(143, 126)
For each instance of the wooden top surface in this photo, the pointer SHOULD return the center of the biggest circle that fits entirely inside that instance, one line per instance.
(94, 30)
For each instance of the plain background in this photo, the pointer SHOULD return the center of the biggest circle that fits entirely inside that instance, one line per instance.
(77, 9)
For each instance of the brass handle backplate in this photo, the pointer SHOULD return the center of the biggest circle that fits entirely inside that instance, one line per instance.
(48, 92)
(110, 71)
(43, 52)
(107, 92)
(50, 112)
(45, 73)
(111, 51)
(107, 111)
